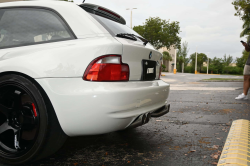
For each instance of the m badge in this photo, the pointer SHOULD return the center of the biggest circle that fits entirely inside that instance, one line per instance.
(150, 55)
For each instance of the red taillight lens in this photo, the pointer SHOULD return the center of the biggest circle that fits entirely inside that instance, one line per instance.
(105, 10)
(107, 68)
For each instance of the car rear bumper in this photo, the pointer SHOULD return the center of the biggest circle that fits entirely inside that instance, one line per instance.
(88, 108)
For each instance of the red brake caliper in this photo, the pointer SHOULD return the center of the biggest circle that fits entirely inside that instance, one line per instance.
(34, 109)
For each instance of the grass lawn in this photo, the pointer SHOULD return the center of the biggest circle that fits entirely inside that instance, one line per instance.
(222, 80)
(233, 74)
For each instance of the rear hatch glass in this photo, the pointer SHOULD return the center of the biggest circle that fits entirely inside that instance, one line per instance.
(113, 27)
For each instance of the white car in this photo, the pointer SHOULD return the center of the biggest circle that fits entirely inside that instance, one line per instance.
(71, 70)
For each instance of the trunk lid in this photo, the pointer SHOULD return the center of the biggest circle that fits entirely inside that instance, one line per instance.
(134, 52)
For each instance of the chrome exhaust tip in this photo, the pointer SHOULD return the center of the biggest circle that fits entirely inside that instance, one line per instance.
(148, 117)
(144, 118)
(141, 120)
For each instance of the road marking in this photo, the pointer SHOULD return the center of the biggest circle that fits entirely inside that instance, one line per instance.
(186, 85)
(204, 88)
(239, 154)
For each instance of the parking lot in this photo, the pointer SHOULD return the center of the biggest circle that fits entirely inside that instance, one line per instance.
(193, 133)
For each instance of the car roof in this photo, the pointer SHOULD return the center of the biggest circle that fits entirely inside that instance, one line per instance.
(44, 3)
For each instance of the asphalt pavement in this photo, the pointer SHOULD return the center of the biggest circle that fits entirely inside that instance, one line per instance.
(193, 133)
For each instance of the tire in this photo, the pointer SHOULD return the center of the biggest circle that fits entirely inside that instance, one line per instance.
(30, 119)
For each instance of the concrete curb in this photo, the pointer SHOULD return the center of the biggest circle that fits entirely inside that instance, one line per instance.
(237, 147)
(221, 81)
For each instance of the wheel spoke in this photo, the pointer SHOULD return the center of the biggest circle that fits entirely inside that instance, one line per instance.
(17, 101)
(5, 126)
(17, 139)
(4, 110)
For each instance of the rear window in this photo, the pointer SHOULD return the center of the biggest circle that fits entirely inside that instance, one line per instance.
(113, 27)
(28, 26)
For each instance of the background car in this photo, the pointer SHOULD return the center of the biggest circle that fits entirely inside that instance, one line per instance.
(69, 70)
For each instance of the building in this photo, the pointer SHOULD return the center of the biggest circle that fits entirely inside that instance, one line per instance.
(232, 64)
(169, 64)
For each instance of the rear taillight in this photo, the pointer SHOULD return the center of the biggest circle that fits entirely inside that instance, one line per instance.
(108, 11)
(107, 68)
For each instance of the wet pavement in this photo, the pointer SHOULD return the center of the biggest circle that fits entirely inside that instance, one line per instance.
(193, 133)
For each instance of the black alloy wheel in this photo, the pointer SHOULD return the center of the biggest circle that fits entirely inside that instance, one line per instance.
(19, 120)
(29, 128)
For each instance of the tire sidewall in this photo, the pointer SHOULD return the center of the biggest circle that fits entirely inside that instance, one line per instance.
(43, 118)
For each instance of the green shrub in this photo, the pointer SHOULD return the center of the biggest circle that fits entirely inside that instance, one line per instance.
(233, 70)
(163, 67)
(224, 70)
(189, 69)
(204, 70)
(216, 69)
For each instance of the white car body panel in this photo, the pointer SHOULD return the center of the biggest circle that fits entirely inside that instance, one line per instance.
(83, 107)
(57, 59)
(88, 108)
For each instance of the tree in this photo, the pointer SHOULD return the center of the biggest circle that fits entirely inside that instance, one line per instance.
(179, 59)
(227, 60)
(166, 56)
(240, 62)
(245, 55)
(217, 65)
(184, 49)
(242, 8)
(182, 55)
(160, 33)
(201, 57)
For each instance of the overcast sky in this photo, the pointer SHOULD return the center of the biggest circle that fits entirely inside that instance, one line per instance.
(209, 25)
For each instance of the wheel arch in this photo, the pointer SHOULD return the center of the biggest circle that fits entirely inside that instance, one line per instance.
(42, 91)
(55, 137)
(29, 78)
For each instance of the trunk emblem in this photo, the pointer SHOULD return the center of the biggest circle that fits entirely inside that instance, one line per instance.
(150, 55)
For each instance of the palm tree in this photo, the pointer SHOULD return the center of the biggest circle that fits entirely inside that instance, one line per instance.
(167, 57)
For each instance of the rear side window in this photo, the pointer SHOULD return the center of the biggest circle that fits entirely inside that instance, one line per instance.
(28, 26)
